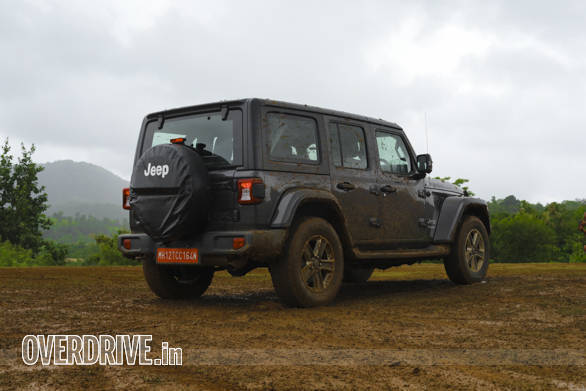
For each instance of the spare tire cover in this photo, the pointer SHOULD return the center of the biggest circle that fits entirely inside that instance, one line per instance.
(169, 192)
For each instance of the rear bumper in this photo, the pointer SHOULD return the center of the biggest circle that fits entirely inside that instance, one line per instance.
(260, 245)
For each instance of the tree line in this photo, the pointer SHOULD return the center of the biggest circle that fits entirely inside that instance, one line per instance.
(523, 232)
(90, 240)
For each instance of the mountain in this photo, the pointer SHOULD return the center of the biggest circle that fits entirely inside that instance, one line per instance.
(84, 188)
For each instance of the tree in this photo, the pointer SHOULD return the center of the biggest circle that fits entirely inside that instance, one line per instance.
(523, 237)
(108, 253)
(508, 205)
(22, 201)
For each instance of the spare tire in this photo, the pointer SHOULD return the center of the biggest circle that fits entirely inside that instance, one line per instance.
(170, 192)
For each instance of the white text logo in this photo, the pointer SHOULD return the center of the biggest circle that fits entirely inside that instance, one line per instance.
(92, 349)
(159, 170)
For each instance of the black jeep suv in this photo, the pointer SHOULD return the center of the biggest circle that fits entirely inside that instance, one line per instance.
(317, 196)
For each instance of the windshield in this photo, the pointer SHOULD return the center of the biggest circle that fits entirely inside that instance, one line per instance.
(218, 141)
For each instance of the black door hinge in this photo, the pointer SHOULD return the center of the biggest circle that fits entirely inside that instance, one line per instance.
(423, 193)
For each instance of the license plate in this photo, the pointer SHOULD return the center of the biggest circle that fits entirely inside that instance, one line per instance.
(178, 255)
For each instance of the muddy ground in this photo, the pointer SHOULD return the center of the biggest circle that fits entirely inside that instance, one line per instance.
(412, 311)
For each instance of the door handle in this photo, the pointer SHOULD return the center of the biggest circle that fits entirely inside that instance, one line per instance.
(388, 189)
(375, 222)
(345, 186)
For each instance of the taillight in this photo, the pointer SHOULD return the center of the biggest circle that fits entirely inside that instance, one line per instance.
(238, 243)
(250, 191)
(127, 244)
(125, 195)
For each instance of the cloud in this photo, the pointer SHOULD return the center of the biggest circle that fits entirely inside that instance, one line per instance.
(502, 83)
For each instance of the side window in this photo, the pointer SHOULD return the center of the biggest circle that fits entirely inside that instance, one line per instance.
(393, 154)
(353, 145)
(292, 137)
(348, 146)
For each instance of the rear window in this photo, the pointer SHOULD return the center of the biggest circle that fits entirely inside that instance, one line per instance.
(218, 140)
(292, 138)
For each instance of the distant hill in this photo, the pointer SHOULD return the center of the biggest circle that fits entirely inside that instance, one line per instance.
(84, 188)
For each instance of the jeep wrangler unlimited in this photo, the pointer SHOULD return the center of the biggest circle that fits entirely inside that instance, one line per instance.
(317, 196)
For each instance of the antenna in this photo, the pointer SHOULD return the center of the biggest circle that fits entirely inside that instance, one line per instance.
(426, 134)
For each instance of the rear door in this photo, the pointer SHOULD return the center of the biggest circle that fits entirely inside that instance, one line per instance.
(353, 180)
(402, 196)
(218, 138)
(293, 156)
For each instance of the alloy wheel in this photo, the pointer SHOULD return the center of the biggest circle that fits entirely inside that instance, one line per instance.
(475, 250)
(318, 263)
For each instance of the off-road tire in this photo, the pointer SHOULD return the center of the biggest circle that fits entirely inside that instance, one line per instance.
(176, 282)
(357, 275)
(458, 265)
(306, 239)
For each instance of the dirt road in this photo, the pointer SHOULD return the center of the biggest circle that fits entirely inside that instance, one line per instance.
(406, 314)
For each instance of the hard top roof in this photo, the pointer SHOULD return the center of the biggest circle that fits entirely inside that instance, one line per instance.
(277, 103)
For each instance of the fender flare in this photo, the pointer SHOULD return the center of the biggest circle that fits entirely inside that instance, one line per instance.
(450, 217)
(292, 199)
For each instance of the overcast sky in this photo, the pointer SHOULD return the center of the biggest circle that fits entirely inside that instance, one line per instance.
(503, 83)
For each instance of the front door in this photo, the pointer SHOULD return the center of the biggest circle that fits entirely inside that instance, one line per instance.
(353, 181)
(403, 198)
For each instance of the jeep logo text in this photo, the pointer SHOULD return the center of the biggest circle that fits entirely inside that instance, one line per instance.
(159, 170)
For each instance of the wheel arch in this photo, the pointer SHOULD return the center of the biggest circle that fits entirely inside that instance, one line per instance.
(453, 211)
(299, 203)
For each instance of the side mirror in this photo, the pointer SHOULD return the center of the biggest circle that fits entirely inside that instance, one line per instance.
(424, 163)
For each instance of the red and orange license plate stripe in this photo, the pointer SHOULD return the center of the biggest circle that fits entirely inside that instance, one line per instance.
(178, 255)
